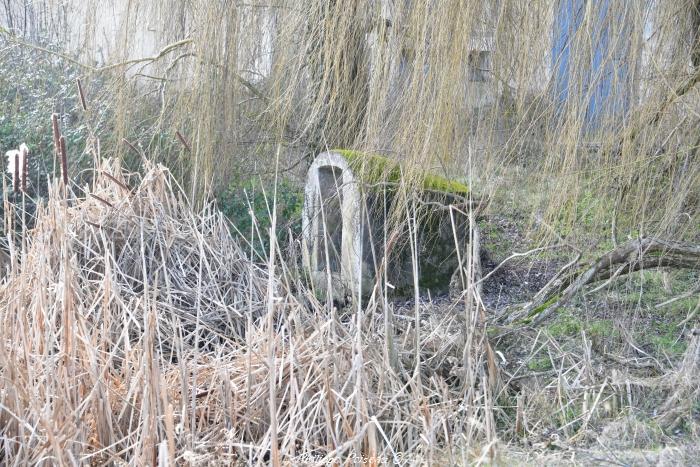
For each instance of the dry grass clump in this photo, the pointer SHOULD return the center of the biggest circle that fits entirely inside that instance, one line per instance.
(135, 330)
(684, 397)
(631, 432)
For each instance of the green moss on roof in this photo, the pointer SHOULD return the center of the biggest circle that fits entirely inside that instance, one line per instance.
(442, 184)
(372, 168)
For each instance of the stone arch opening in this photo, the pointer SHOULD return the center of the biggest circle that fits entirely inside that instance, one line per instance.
(347, 239)
(331, 225)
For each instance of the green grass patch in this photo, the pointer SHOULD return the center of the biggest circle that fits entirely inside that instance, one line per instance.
(568, 324)
(664, 339)
(542, 363)
(649, 288)
(495, 241)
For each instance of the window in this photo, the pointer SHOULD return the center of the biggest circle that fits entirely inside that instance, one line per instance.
(479, 62)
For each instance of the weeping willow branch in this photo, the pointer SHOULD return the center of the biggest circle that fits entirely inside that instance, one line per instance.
(679, 92)
(16, 40)
(163, 52)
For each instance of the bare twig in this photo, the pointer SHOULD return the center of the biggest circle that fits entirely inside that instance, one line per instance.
(519, 255)
(682, 296)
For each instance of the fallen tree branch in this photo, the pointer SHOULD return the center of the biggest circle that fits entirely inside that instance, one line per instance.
(638, 364)
(682, 296)
(635, 255)
(691, 315)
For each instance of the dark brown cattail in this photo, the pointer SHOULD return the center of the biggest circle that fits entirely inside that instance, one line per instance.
(183, 141)
(64, 160)
(25, 169)
(131, 146)
(81, 94)
(120, 184)
(56, 134)
(15, 176)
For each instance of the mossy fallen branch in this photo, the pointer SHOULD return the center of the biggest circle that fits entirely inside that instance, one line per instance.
(539, 309)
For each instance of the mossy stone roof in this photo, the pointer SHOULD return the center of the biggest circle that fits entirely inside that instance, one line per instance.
(372, 168)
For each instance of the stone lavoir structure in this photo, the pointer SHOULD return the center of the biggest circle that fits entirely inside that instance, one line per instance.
(358, 221)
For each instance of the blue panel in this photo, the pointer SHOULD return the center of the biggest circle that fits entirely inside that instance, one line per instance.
(567, 21)
(597, 78)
